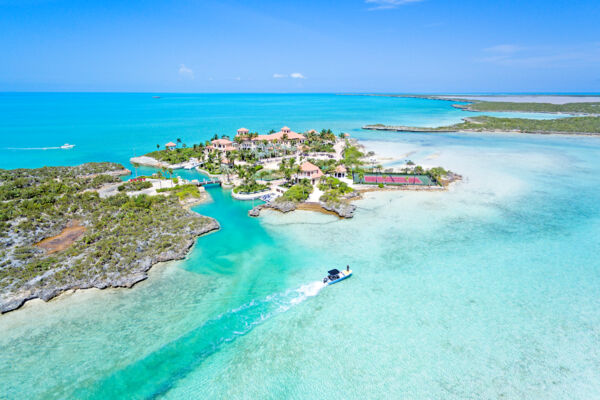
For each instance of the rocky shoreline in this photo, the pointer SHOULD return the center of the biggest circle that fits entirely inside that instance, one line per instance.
(341, 209)
(136, 274)
(77, 238)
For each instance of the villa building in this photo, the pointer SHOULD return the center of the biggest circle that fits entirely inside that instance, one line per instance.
(285, 136)
(243, 139)
(310, 171)
(222, 145)
(170, 146)
(340, 171)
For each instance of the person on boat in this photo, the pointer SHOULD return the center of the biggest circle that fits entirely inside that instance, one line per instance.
(347, 268)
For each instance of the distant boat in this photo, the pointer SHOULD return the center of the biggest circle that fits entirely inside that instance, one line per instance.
(156, 97)
(67, 146)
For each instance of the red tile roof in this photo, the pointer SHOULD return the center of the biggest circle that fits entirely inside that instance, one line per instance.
(309, 167)
(291, 135)
(221, 141)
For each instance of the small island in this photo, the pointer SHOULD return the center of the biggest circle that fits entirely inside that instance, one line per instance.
(80, 227)
(588, 126)
(317, 171)
(584, 116)
(587, 109)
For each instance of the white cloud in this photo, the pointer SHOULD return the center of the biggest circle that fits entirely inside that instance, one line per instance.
(389, 4)
(293, 75)
(237, 78)
(186, 72)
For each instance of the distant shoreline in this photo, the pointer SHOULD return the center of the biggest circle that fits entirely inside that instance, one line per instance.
(470, 98)
(415, 129)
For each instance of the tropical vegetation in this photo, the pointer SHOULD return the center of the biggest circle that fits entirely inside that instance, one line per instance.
(569, 125)
(298, 192)
(562, 125)
(182, 192)
(575, 108)
(134, 186)
(333, 189)
(123, 235)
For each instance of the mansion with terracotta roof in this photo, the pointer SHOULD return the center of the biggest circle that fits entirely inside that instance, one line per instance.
(310, 171)
(285, 136)
(246, 141)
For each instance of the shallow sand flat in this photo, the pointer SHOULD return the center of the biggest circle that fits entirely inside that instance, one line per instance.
(532, 99)
(489, 287)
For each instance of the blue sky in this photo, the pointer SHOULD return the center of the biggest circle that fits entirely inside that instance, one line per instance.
(300, 46)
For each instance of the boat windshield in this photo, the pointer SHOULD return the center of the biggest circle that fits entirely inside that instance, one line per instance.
(333, 272)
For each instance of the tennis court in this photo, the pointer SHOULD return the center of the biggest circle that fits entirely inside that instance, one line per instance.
(394, 179)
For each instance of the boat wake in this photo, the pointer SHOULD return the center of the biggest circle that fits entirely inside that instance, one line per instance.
(65, 146)
(157, 373)
(32, 148)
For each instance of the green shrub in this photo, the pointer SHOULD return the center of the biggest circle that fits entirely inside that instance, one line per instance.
(134, 186)
(298, 192)
(250, 188)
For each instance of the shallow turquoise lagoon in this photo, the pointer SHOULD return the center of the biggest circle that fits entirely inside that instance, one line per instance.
(115, 127)
(487, 291)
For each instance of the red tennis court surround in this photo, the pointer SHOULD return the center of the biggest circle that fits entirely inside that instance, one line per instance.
(393, 180)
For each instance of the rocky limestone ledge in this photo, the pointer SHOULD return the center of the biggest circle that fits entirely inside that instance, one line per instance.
(119, 172)
(282, 206)
(126, 280)
(342, 209)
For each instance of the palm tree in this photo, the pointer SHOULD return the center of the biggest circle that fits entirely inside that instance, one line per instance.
(295, 170)
(233, 155)
(158, 147)
(178, 140)
(171, 176)
(226, 169)
(161, 175)
(164, 171)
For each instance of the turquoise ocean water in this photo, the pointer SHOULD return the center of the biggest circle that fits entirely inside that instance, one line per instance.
(487, 291)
